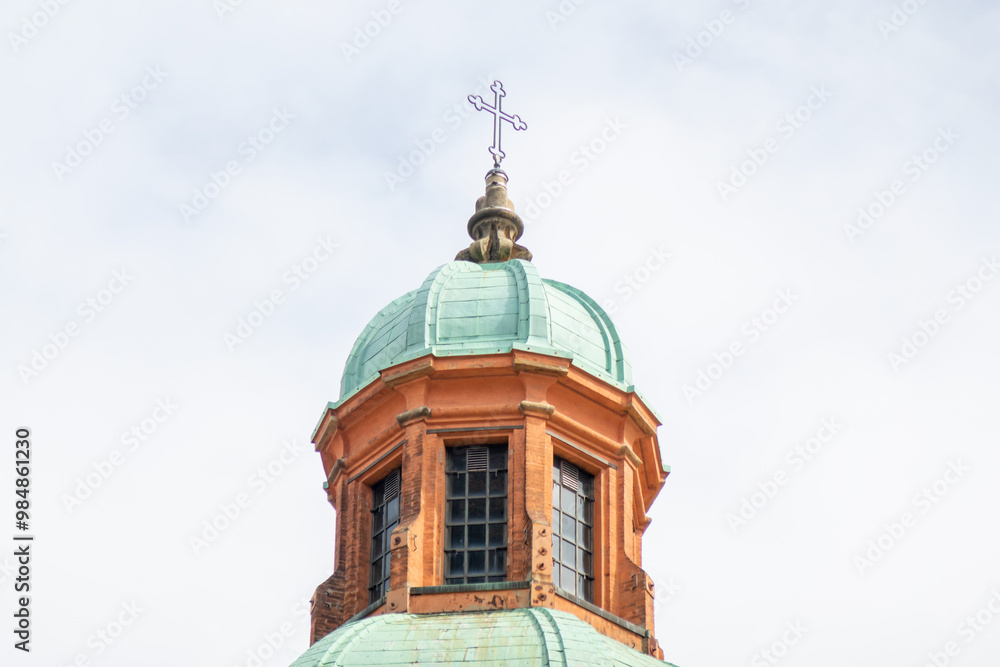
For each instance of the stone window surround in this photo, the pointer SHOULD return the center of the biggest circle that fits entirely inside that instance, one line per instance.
(566, 449)
(364, 483)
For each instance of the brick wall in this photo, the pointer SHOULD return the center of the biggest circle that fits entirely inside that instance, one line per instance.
(481, 392)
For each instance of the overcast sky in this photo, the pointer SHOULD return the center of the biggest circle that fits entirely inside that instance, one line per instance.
(789, 208)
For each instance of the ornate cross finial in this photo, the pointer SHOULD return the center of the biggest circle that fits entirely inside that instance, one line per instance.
(498, 117)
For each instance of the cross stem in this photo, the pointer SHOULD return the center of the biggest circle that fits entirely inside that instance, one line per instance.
(499, 115)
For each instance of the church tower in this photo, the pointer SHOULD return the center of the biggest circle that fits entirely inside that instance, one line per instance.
(491, 466)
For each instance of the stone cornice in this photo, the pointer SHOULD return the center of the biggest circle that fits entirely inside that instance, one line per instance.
(516, 361)
(325, 430)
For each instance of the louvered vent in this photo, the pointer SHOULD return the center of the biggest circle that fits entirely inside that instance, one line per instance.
(570, 476)
(478, 459)
(391, 486)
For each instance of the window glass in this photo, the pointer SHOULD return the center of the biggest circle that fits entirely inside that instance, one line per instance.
(385, 517)
(476, 520)
(573, 529)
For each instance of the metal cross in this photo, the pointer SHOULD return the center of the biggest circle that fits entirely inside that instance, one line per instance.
(498, 117)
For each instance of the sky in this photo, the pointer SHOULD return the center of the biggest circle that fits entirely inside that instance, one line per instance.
(789, 209)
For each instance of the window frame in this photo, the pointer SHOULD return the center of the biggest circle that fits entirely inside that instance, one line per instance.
(585, 493)
(382, 532)
(495, 538)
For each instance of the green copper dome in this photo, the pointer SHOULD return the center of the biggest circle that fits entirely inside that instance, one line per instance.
(524, 637)
(465, 308)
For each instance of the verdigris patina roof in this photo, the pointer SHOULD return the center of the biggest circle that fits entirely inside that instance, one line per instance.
(466, 308)
(533, 637)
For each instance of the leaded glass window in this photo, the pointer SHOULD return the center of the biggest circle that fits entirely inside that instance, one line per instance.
(573, 529)
(385, 517)
(475, 546)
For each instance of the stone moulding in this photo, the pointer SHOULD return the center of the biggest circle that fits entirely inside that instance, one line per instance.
(543, 408)
(416, 413)
(327, 426)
